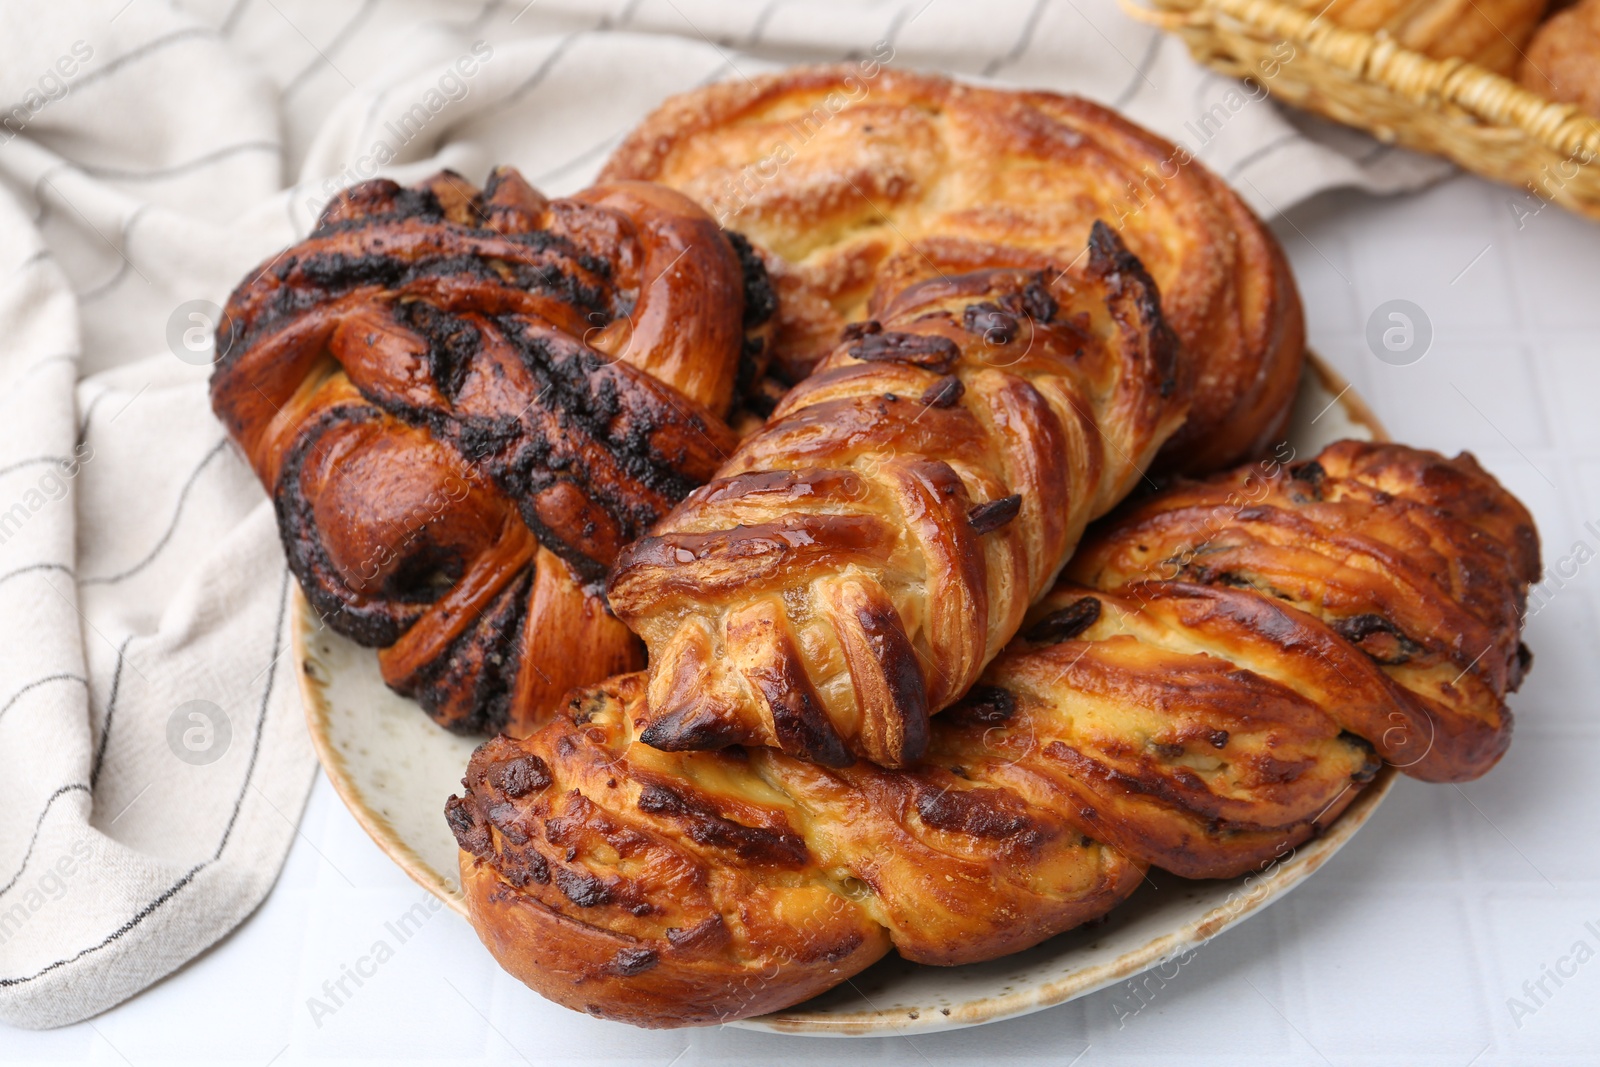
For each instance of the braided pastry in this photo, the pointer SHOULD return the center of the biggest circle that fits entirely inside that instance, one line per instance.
(832, 171)
(858, 561)
(464, 404)
(1419, 563)
(1241, 655)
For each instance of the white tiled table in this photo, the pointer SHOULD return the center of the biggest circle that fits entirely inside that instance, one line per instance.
(1404, 949)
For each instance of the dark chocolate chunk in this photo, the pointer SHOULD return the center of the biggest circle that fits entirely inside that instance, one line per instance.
(944, 393)
(521, 775)
(987, 518)
(931, 352)
(631, 961)
(1067, 623)
(997, 325)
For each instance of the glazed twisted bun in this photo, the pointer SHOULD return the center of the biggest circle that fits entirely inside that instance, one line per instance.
(1563, 61)
(832, 170)
(465, 403)
(679, 889)
(1490, 33)
(859, 560)
(1407, 574)
(1230, 666)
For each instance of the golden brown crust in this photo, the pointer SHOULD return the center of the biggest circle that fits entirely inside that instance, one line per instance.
(858, 560)
(688, 888)
(1420, 562)
(1150, 738)
(465, 403)
(1186, 716)
(1490, 33)
(1563, 60)
(834, 171)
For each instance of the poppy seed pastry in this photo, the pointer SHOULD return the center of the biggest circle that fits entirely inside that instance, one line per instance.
(465, 403)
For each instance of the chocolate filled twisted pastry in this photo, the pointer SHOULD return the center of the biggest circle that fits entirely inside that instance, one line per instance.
(832, 171)
(465, 403)
(1228, 667)
(859, 560)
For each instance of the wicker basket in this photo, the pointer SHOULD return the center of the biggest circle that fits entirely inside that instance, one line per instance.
(1449, 107)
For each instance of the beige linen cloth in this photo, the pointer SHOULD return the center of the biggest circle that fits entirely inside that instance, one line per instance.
(153, 757)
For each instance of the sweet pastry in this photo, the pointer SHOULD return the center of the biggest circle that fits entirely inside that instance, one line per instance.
(1226, 666)
(1563, 61)
(830, 171)
(465, 403)
(1419, 564)
(1490, 33)
(858, 561)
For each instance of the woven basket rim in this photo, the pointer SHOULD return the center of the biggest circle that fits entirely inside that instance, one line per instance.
(1489, 97)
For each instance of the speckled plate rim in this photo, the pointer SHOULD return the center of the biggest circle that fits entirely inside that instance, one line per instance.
(366, 813)
(1037, 996)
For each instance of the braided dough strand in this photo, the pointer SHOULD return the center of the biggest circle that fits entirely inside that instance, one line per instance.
(1225, 668)
(859, 560)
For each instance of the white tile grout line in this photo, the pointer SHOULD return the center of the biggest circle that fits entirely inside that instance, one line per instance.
(1560, 438)
(1474, 263)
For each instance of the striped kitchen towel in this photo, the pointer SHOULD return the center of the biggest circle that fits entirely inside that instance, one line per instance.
(153, 761)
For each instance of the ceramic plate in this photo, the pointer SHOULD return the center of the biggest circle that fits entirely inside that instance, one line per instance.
(393, 768)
